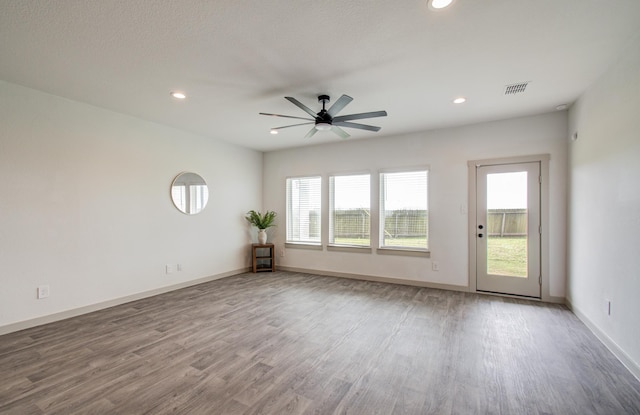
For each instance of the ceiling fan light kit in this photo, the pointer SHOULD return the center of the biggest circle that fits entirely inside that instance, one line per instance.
(327, 119)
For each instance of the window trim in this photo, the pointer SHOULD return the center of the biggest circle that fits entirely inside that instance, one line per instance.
(347, 247)
(303, 244)
(404, 251)
(358, 249)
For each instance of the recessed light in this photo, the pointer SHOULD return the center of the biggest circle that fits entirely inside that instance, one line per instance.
(274, 131)
(459, 100)
(439, 4)
(178, 95)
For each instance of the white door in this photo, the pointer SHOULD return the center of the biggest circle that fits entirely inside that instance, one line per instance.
(507, 229)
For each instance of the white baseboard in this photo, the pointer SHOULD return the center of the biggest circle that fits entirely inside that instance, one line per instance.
(620, 354)
(554, 300)
(38, 321)
(623, 357)
(376, 279)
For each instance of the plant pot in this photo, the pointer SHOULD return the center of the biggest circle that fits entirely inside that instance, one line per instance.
(262, 236)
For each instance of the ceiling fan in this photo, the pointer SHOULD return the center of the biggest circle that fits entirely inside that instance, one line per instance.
(326, 119)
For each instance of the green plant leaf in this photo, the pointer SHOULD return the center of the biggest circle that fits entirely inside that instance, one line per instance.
(261, 220)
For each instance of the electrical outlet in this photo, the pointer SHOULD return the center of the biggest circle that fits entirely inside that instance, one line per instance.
(43, 292)
(282, 251)
(435, 266)
(169, 269)
(179, 267)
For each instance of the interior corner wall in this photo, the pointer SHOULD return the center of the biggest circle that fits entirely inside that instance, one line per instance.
(446, 152)
(604, 207)
(85, 205)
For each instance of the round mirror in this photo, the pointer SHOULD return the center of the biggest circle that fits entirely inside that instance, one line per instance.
(189, 193)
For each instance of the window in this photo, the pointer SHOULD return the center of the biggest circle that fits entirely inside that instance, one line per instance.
(303, 210)
(404, 215)
(349, 210)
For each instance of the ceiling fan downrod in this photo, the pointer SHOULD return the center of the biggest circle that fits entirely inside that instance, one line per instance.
(323, 120)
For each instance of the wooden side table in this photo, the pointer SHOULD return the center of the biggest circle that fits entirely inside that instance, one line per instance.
(263, 256)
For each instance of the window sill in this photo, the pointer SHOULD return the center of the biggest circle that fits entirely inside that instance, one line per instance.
(302, 245)
(350, 248)
(404, 252)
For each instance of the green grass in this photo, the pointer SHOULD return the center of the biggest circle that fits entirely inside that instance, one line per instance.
(351, 241)
(390, 242)
(418, 242)
(507, 256)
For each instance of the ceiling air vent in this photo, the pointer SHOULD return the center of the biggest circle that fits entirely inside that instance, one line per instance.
(515, 88)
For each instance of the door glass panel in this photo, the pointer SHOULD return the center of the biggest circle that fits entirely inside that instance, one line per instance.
(507, 224)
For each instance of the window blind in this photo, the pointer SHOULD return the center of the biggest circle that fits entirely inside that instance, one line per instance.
(303, 210)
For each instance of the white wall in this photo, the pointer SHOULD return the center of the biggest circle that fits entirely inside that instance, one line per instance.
(446, 152)
(85, 205)
(605, 206)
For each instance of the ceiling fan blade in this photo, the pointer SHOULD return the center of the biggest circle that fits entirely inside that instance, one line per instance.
(311, 132)
(287, 116)
(339, 105)
(361, 116)
(301, 106)
(356, 125)
(293, 125)
(342, 133)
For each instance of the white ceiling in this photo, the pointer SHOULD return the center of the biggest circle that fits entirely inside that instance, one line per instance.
(236, 58)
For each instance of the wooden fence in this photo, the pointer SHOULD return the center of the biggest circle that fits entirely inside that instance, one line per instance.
(355, 223)
(507, 222)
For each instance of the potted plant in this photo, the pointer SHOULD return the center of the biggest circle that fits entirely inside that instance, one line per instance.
(262, 221)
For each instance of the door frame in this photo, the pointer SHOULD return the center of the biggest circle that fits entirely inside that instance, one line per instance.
(543, 159)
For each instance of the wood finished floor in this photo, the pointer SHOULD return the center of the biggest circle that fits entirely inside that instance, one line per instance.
(287, 343)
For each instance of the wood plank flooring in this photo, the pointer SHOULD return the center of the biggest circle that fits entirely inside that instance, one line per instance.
(287, 343)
